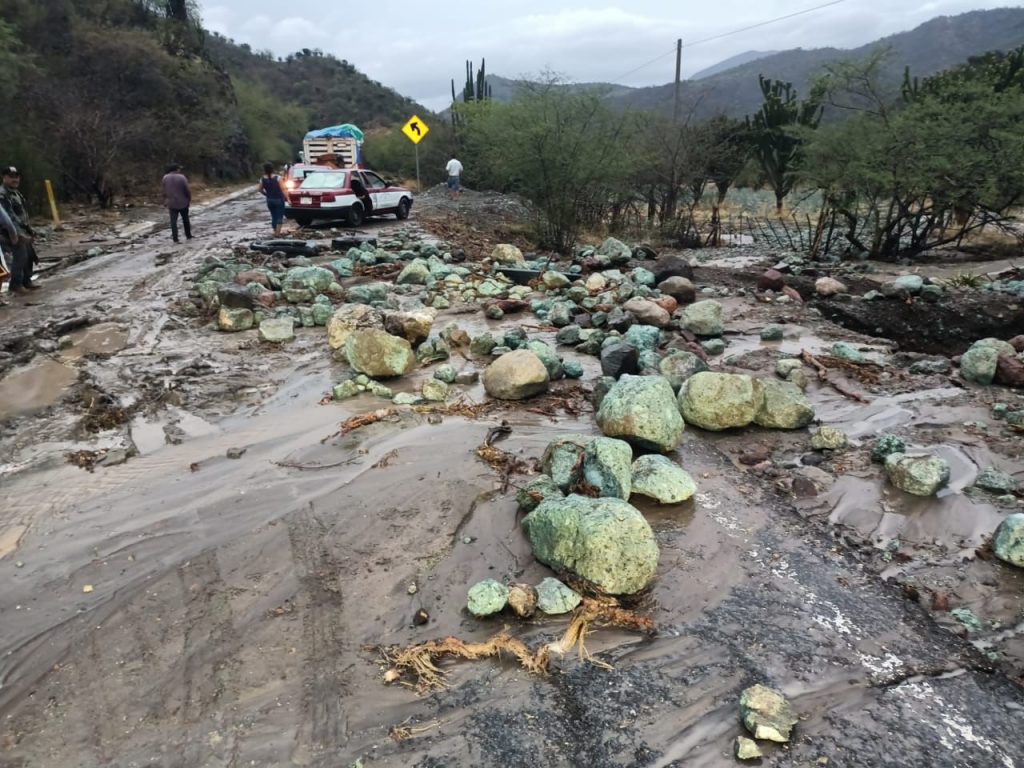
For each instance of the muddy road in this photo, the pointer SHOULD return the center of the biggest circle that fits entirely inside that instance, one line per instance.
(175, 607)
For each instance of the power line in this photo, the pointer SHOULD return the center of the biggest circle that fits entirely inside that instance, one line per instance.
(729, 34)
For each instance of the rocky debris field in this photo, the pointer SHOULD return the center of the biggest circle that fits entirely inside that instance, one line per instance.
(413, 495)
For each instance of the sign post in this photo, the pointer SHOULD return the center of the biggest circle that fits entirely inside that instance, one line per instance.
(415, 130)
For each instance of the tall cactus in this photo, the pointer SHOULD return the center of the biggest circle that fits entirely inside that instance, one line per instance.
(476, 88)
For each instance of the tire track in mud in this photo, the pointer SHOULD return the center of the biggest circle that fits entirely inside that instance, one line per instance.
(324, 728)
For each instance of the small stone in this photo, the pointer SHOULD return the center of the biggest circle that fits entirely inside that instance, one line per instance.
(277, 330)
(720, 401)
(507, 254)
(678, 366)
(829, 439)
(482, 345)
(784, 368)
(979, 364)
(406, 398)
(487, 598)
(236, 453)
(446, 373)
(412, 589)
(573, 369)
(88, 588)
(772, 280)
(345, 390)
(679, 288)
(767, 714)
(1008, 544)
(555, 598)
(235, 320)
(829, 286)
(713, 347)
(466, 378)
(522, 599)
(554, 281)
(747, 749)
(379, 354)
(846, 351)
(772, 332)
(65, 342)
(420, 618)
(642, 410)
(995, 481)
(618, 359)
(917, 475)
(434, 391)
(886, 445)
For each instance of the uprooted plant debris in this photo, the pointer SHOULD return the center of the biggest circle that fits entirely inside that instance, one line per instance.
(417, 666)
(503, 462)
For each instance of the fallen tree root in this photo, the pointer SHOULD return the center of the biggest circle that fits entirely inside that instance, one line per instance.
(824, 378)
(420, 662)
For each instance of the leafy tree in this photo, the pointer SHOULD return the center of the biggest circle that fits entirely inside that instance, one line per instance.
(776, 139)
(274, 130)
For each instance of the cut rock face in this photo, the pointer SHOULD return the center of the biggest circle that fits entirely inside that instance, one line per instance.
(767, 714)
(604, 541)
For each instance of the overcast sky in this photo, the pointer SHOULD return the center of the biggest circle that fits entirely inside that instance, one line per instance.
(416, 47)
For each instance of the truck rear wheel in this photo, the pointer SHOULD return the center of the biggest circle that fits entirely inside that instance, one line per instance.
(402, 212)
(303, 221)
(354, 217)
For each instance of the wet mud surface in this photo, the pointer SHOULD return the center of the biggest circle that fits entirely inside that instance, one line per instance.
(187, 609)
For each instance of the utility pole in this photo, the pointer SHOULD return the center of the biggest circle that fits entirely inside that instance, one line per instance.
(679, 67)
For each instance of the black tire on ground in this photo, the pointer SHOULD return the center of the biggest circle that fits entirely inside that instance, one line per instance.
(354, 217)
(303, 221)
(402, 212)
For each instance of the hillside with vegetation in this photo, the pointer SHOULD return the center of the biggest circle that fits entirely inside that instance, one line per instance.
(105, 94)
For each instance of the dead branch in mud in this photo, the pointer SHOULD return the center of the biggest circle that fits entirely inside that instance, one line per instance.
(385, 460)
(307, 467)
(403, 731)
(420, 662)
(503, 462)
(824, 378)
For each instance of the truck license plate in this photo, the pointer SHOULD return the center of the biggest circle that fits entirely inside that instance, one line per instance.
(306, 200)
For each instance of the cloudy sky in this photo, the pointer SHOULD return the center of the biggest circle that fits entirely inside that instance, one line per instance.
(417, 46)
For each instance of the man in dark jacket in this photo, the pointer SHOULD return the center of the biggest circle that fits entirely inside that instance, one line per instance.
(177, 198)
(22, 251)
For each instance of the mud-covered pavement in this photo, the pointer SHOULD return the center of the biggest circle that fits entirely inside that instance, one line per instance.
(183, 608)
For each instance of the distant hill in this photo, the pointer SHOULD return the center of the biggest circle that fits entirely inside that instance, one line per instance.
(731, 86)
(733, 61)
(932, 47)
(504, 89)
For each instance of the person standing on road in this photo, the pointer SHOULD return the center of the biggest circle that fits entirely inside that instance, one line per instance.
(177, 198)
(270, 188)
(22, 252)
(8, 239)
(454, 169)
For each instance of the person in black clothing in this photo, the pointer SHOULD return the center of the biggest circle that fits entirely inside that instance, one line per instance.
(270, 188)
(23, 253)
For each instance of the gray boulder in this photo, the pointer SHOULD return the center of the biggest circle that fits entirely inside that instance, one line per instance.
(704, 318)
(917, 475)
(680, 365)
(718, 401)
(784, 406)
(378, 354)
(516, 376)
(659, 478)
(277, 330)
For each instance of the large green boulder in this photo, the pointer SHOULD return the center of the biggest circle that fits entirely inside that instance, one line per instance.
(606, 542)
(378, 354)
(313, 279)
(642, 410)
(703, 318)
(607, 466)
(1009, 541)
(277, 330)
(978, 364)
(718, 401)
(784, 406)
(415, 272)
(661, 479)
(917, 475)
(614, 251)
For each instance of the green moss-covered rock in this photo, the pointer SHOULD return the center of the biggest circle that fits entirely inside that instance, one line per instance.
(846, 351)
(829, 439)
(345, 390)
(703, 318)
(979, 364)
(312, 279)
(1009, 541)
(482, 345)
(642, 410)
(555, 598)
(607, 466)
(277, 330)
(767, 714)
(718, 401)
(563, 460)
(917, 475)
(995, 481)
(784, 406)
(348, 319)
(613, 251)
(487, 598)
(604, 541)
(886, 445)
(549, 357)
(434, 391)
(680, 365)
(661, 479)
(235, 320)
(446, 373)
(379, 354)
(415, 272)
(539, 489)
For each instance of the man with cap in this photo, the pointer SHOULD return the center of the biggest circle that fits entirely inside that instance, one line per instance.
(22, 252)
(8, 239)
(177, 198)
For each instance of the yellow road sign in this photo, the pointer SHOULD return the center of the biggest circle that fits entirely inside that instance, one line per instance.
(415, 129)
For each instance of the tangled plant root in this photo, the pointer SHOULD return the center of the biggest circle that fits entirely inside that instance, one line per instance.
(420, 662)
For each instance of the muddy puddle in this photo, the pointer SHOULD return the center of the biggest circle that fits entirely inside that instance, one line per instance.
(34, 387)
(187, 608)
(101, 339)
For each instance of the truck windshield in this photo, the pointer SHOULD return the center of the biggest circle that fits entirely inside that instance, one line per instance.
(323, 180)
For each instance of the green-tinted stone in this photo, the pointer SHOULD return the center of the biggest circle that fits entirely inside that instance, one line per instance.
(719, 401)
(607, 466)
(345, 390)
(659, 478)
(829, 439)
(487, 598)
(1009, 541)
(555, 599)
(886, 445)
(917, 475)
(767, 714)
(642, 410)
(537, 490)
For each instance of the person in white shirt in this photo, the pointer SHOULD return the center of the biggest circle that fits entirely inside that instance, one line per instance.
(454, 169)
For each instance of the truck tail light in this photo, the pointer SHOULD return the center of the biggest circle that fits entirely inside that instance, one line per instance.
(328, 197)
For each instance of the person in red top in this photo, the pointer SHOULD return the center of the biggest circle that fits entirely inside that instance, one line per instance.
(177, 198)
